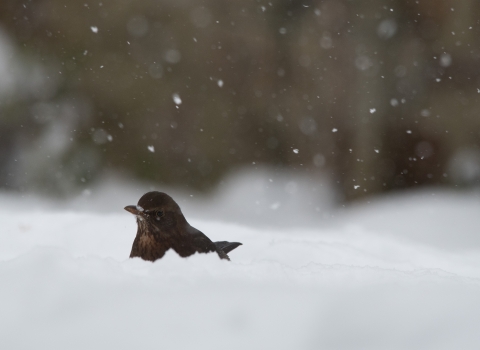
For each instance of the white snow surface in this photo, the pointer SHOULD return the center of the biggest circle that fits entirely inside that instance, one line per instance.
(402, 272)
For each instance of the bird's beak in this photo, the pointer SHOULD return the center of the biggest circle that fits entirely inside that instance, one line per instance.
(133, 209)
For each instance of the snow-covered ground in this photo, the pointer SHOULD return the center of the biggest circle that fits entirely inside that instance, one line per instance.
(402, 272)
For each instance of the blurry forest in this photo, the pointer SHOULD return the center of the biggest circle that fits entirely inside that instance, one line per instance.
(377, 94)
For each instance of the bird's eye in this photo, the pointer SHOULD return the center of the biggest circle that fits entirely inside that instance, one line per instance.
(159, 213)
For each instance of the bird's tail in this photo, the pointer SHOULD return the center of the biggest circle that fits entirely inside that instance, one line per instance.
(227, 247)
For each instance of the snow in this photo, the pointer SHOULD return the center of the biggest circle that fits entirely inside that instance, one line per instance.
(176, 98)
(401, 272)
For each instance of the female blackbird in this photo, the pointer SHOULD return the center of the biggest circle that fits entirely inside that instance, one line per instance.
(161, 226)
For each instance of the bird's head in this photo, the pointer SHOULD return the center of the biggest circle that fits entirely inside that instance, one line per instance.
(156, 212)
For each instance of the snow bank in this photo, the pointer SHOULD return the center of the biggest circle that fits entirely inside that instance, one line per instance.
(371, 278)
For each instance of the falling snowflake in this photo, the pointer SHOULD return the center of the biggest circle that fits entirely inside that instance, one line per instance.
(296, 151)
(151, 149)
(177, 99)
(334, 130)
(275, 205)
(94, 29)
(373, 110)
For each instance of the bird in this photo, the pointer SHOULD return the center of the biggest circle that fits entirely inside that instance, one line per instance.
(161, 226)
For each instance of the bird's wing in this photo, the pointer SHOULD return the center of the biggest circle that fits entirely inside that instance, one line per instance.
(202, 243)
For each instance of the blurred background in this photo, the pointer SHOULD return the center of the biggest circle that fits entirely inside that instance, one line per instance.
(363, 97)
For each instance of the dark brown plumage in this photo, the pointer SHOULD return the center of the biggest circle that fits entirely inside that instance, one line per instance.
(161, 226)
